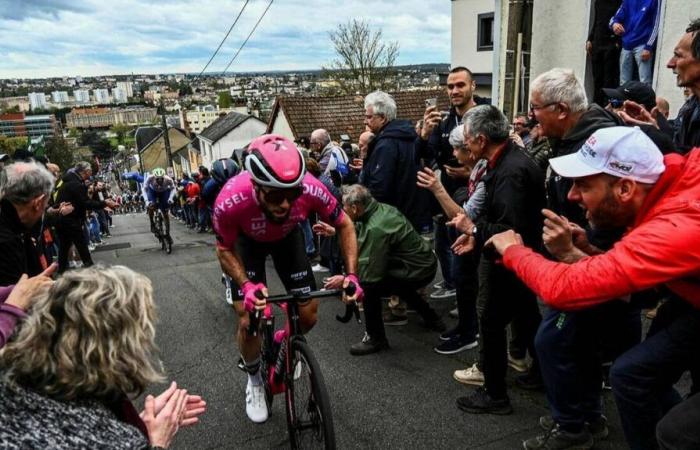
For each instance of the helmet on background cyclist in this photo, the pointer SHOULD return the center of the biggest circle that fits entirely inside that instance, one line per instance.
(223, 169)
(275, 161)
(159, 173)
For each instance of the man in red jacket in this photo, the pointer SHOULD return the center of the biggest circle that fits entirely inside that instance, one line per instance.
(621, 179)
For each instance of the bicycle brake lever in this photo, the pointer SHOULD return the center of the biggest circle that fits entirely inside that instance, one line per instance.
(254, 319)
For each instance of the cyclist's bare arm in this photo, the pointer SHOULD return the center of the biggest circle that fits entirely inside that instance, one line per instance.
(348, 243)
(232, 265)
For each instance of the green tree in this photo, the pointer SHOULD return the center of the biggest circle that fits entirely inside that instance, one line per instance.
(98, 144)
(59, 152)
(121, 131)
(364, 61)
(10, 145)
(225, 99)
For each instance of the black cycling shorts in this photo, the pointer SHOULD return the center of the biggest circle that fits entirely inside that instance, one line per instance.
(288, 256)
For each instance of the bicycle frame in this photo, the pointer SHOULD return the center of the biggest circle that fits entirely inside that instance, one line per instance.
(291, 330)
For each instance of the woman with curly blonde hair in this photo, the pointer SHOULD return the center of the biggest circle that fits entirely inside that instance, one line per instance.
(85, 348)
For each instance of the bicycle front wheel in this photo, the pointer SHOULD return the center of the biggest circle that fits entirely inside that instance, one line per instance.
(309, 417)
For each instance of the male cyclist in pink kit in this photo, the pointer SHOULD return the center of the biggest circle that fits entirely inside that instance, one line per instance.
(257, 213)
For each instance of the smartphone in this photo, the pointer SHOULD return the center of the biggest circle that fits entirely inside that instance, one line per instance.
(430, 102)
(452, 162)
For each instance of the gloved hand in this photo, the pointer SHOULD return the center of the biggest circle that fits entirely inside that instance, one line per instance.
(251, 302)
(359, 294)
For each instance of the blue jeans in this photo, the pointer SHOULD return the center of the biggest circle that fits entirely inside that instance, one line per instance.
(308, 237)
(443, 242)
(570, 346)
(642, 379)
(631, 58)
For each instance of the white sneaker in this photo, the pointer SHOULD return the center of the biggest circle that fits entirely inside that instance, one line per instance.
(319, 268)
(255, 404)
(519, 365)
(471, 375)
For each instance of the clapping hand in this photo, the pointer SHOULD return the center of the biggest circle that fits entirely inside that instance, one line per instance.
(26, 290)
(501, 241)
(463, 244)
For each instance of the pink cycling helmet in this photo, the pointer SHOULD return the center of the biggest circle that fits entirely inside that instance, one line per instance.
(275, 161)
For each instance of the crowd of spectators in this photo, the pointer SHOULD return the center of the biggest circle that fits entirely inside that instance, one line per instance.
(560, 226)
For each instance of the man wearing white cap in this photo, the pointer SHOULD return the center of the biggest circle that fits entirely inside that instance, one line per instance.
(621, 179)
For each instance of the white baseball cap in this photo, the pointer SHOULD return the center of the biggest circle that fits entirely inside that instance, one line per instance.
(625, 152)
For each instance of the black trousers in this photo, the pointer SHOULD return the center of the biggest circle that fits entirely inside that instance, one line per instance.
(678, 429)
(605, 64)
(69, 235)
(406, 289)
(507, 298)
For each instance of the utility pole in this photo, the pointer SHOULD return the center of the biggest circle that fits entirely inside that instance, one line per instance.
(166, 138)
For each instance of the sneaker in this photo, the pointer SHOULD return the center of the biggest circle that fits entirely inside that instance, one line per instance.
(530, 382)
(443, 293)
(255, 404)
(394, 320)
(435, 324)
(557, 439)
(449, 334)
(439, 285)
(454, 313)
(480, 402)
(598, 428)
(518, 364)
(455, 345)
(92, 247)
(368, 345)
(471, 375)
(319, 268)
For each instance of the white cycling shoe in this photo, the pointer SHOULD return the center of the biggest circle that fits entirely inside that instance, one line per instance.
(255, 404)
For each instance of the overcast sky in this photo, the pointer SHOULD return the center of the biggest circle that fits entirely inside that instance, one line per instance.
(45, 38)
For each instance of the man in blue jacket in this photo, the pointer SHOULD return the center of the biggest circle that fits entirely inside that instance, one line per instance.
(389, 171)
(637, 22)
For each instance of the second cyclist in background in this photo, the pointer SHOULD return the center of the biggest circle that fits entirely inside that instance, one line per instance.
(159, 190)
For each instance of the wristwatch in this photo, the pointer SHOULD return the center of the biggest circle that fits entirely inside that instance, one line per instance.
(474, 231)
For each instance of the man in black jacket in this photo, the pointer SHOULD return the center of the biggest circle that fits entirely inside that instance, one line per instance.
(70, 228)
(389, 172)
(514, 197)
(603, 46)
(433, 144)
(25, 189)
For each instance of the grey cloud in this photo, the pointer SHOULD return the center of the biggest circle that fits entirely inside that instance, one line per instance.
(24, 9)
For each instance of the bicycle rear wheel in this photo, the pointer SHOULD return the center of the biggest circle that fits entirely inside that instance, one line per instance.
(309, 417)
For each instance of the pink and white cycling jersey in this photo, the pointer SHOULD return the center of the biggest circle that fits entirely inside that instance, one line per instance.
(236, 210)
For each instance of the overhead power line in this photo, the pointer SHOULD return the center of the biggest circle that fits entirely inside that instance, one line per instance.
(224, 39)
(249, 35)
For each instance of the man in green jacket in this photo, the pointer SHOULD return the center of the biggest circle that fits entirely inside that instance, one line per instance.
(393, 259)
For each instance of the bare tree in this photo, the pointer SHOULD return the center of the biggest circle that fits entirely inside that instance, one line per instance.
(364, 61)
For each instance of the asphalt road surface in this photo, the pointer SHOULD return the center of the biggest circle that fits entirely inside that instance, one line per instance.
(402, 398)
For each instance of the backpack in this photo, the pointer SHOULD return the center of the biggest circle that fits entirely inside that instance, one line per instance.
(340, 165)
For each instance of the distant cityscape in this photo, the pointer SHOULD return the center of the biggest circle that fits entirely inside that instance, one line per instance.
(101, 102)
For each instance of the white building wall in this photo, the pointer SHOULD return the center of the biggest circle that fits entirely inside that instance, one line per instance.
(81, 96)
(464, 35)
(59, 96)
(676, 16)
(37, 100)
(101, 95)
(559, 33)
(281, 126)
(237, 138)
(119, 95)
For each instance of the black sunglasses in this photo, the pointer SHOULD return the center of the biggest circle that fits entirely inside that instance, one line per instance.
(278, 196)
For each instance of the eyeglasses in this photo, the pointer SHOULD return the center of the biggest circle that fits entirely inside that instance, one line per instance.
(278, 196)
(534, 108)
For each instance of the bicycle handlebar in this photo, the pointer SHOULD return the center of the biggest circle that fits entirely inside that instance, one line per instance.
(298, 297)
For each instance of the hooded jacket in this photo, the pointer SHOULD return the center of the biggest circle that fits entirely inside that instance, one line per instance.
(661, 248)
(389, 172)
(641, 21)
(388, 246)
(18, 254)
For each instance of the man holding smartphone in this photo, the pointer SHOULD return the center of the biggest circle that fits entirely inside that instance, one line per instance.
(433, 144)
